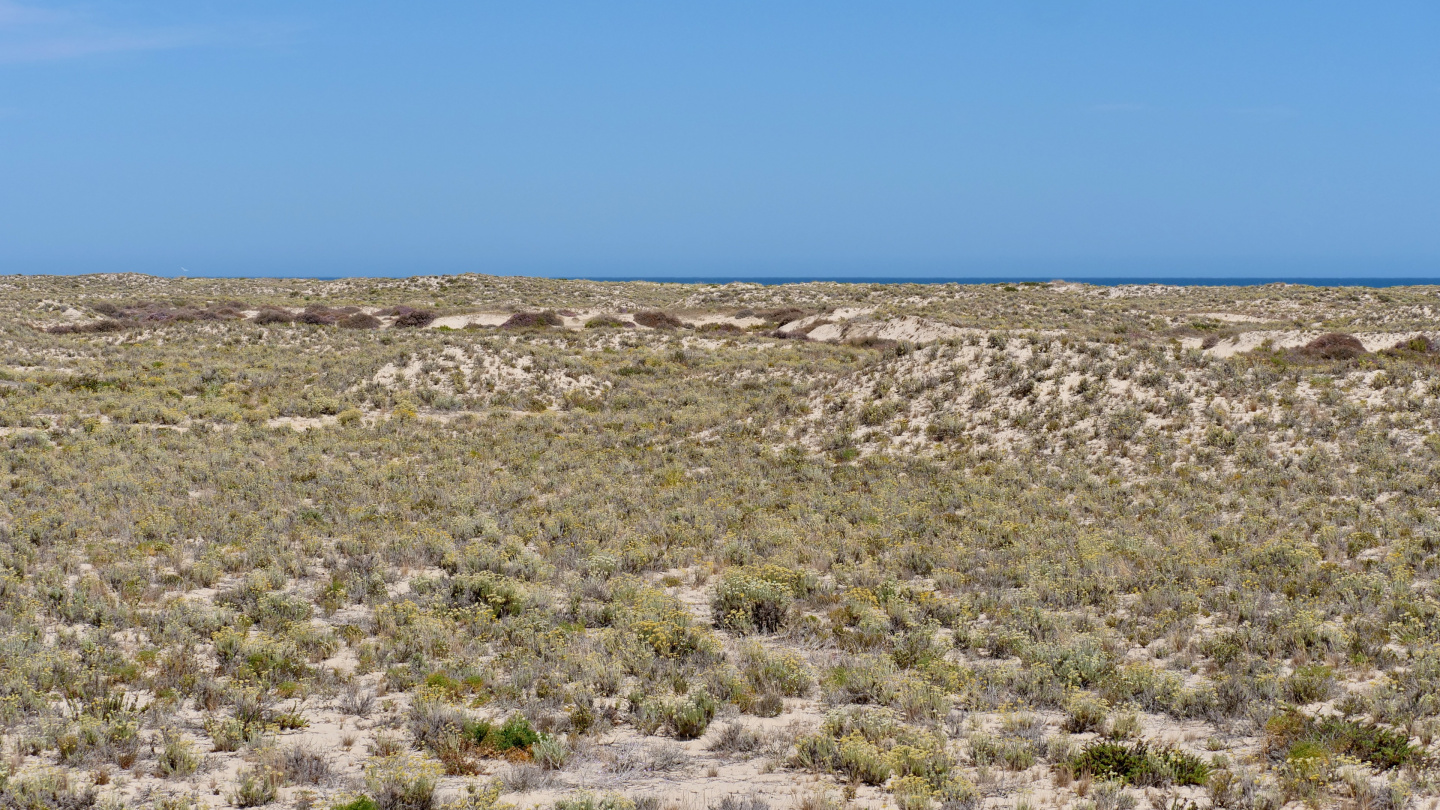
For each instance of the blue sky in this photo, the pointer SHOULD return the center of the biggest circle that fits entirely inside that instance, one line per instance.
(1052, 138)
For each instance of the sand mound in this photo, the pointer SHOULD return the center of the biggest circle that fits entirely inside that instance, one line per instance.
(1294, 339)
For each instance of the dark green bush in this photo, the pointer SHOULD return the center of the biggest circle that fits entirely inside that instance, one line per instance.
(1138, 764)
(515, 733)
(1381, 747)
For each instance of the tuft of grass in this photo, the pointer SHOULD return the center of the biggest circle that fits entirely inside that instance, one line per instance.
(256, 787)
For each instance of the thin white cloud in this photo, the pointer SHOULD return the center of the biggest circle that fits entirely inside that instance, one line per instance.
(16, 14)
(30, 33)
(46, 49)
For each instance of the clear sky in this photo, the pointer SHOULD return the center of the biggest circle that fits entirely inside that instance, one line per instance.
(1058, 138)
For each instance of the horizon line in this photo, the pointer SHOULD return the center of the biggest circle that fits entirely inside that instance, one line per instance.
(1098, 280)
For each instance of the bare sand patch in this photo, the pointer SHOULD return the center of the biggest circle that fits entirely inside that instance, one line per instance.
(1294, 339)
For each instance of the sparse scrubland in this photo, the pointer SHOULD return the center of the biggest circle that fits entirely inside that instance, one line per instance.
(468, 542)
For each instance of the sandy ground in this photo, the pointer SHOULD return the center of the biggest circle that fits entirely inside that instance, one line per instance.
(1249, 341)
(688, 774)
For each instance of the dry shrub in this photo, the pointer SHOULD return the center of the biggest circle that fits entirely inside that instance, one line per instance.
(229, 311)
(525, 777)
(320, 316)
(658, 320)
(304, 766)
(1335, 346)
(356, 700)
(783, 315)
(179, 312)
(736, 738)
(724, 328)
(119, 317)
(737, 802)
(605, 322)
(407, 318)
(532, 320)
(359, 320)
(872, 342)
(271, 315)
(90, 328)
(208, 314)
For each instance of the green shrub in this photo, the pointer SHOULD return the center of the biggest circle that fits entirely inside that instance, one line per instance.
(1310, 684)
(957, 794)
(44, 791)
(589, 801)
(912, 793)
(1011, 753)
(779, 672)
(1085, 713)
(1138, 764)
(690, 716)
(878, 413)
(255, 787)
(501, 594)
(860, 760)
(927, 759)
(177, 757)
(232, 734)
(1381, 747)
(869, 745)
(515, 733)
(745, 603)
(647, 714)
(402, 781)
(550, 752)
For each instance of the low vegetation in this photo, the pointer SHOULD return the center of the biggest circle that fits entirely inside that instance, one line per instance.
(469, 542)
